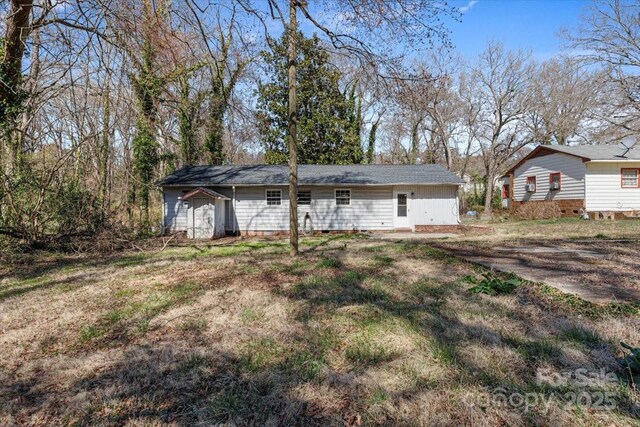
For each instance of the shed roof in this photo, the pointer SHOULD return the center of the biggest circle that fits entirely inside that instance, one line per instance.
(311, 175)
(204, 191)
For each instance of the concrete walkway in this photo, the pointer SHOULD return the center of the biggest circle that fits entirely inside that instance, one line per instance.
(576, 271)
(407, 235)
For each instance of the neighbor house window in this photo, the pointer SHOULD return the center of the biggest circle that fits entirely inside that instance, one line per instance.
(304, 197)
(555, 181)
(531, 184)
(274, 197)
(630, 178)
(505, 191)
(343, 197)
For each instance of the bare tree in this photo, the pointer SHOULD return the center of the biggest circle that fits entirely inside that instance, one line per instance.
(565, 99)
(501, 92)
(609, 35)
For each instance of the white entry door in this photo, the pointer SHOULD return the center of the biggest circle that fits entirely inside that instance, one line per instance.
(203, 224)
(401, 207)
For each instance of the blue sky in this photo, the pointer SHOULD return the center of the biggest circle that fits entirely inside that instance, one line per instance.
(527, 24)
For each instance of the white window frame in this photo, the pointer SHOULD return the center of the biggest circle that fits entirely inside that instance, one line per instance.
(310, 197)
(266, 196)
(335, 196)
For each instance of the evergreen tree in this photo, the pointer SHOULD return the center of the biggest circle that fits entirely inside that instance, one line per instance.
(329, 121)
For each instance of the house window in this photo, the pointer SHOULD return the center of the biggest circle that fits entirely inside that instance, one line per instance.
(343, 197)
(630, 178)
(274, 197)
(304, 198)
(555, 181)
(531, 184)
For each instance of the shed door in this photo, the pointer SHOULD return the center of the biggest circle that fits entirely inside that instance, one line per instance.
(401, 210)
(203, 223)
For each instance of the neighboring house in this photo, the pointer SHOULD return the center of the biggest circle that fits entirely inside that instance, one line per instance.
(596, 178)
(211, 201)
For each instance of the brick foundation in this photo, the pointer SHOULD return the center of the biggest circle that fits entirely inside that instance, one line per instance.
(568, 207)
(614, 215)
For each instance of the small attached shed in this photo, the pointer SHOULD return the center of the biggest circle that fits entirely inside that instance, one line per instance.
(205, 213)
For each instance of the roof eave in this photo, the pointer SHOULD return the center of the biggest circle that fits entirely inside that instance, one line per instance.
(302, 184)
(535, 153)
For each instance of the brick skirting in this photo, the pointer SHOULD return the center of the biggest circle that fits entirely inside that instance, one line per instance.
(569, 207)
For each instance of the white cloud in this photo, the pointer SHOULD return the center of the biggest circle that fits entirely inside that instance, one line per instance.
(465, 9)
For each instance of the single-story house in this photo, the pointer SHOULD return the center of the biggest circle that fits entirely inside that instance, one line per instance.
(211, 201)
(594, 178)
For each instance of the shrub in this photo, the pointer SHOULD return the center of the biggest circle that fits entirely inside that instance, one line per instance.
(329, 263)
(538, 210)
(632, 360)
(492, 285)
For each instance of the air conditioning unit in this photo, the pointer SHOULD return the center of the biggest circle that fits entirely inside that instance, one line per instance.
(554, 186)
(531, 188)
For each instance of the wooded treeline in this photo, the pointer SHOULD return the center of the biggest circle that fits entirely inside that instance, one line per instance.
(99, 98)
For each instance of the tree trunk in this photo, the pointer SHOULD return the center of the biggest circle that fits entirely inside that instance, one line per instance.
(30, 88)
(186, 123)
(372, 141)
(18, 27)
(104, 149)
(489, 193)
(215, 131)
(415, 140)
(447, 152)
(293, 143)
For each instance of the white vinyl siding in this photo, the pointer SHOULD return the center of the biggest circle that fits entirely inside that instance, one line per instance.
(432, 204)
(175, 211)
(572, 171)
(604, 191)
(253, 213)
(370, 208)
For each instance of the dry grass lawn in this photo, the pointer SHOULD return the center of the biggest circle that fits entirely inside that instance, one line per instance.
(354, 331)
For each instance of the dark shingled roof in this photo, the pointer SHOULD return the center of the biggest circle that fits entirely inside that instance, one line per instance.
(310, 175)
(597, 152)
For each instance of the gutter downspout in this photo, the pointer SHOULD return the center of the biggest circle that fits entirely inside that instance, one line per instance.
(233, 205)
(458, 220)
(162, 228)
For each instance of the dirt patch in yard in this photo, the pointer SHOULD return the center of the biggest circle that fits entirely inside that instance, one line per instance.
(597, 270)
